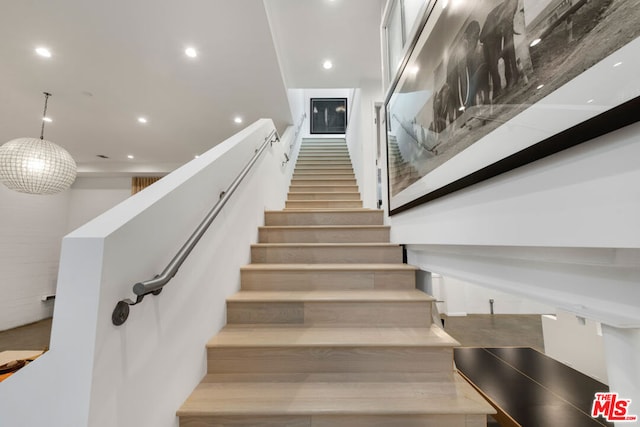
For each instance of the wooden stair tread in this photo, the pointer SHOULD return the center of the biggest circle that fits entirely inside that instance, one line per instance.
(324, 227)
(326, 394)
(325, 200)
(330, 267)
(306, 211)
(327, 193)
(339, 186)
(314, 336)
(331, 296)
(314, 209)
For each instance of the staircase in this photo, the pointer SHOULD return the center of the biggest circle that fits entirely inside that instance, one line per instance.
(328, 328)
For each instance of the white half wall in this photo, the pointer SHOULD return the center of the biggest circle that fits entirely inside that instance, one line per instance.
(100, 375)
(461, 298)
(576, 342)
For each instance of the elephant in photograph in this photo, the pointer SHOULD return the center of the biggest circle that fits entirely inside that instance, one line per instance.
(457, 78)
(442, 108)
(497, 41)
(476, 67)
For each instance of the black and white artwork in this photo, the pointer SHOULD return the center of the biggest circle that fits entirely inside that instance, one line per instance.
(489, 79)
(328, 115)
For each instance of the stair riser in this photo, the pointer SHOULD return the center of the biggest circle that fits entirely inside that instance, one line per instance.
(324, 165)
(328, 144)
(356, 314)
(323, 158)
(322, 420)
(301, 235)
(317, 162)
(333, 149)
(324, 218)
(297, 176)
(332, 154)
(332, 254)
(324, 196)
(322, 204)
(335, 359)
(322, 182)
(282, 280)
(324, 151)
(323, 189)
(320, 170)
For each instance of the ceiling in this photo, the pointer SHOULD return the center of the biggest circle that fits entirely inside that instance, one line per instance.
(347, 32)
(114, 61)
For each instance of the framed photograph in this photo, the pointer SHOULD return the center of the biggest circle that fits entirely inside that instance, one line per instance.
(491, 85)
(328, 115)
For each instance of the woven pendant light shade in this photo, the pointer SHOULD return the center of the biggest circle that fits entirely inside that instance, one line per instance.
(36, 166)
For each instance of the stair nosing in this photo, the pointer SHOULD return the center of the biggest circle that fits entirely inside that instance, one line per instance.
(320, 227)
(316, 336)
(330, 267)
(332, 296)
(325, 245)
(354, 210)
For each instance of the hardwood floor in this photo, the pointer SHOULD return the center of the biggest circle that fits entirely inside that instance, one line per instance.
(34, 336)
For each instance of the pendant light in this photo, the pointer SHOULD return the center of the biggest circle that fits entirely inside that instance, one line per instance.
(36, 166)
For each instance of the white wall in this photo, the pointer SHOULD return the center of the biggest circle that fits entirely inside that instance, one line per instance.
(361, 140)
(119, 375)
(576, 342)
(31, 230)
(90, 197)
(299, 113)
(296, 104)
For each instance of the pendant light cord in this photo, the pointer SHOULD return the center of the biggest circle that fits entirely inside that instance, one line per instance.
(44, 114)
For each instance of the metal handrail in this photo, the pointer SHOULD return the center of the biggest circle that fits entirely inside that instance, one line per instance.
(154, 286)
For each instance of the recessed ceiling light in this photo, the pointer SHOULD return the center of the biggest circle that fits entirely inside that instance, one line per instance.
(327, 65)
(43, 51)
(130, 156)
(617, 64)
(47, 119)
(540, 87)
(535, 42)
(196, 156)
(102, 156)
(191, 52)
(590, 101)
(142, 120)
(238, 119)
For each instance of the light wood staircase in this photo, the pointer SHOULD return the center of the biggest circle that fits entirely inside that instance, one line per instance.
(328, 328)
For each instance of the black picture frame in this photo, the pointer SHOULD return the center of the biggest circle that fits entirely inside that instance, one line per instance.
(554, 80)
(328, 116)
